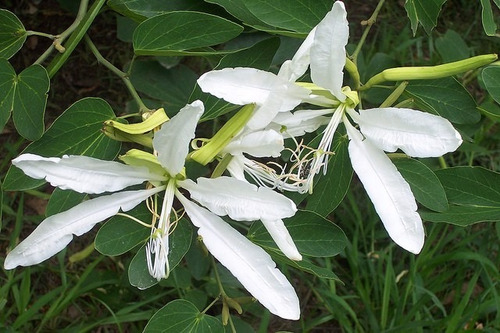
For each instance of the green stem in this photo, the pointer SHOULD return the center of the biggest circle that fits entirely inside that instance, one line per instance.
(122, 75)
(393, 97)
(351, 67)
(82, 10)
(368, 24)
(38, 33)
(76, 31)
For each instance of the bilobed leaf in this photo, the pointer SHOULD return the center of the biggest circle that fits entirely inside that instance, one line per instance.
(490, 109)
(7, 90)
(30, 98)
(12, 34)
(488, 19)
(313, 235)
(182, 316)
(76, 132)
(239, 10)
(174, 32)
(424, 12)
(331, 188)
(445, 97)
(298, 16)
(138, 273)
(25, 95)
(424, 184)
(491, 79)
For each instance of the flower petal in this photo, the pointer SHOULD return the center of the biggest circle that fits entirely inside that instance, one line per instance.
(259, 144)
(241, 86)
(390, 193)
(239, 200)
(82, 173)
(56, 231)
(295, 68)
(328, 50)
(300, 122)
(172, 140)
(417, 133)
(282, 238)
(250, 264)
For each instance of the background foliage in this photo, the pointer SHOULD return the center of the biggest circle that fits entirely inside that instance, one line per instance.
(123, 56)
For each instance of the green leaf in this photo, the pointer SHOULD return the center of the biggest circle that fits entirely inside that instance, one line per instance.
(488, 19)
(298, 16)
(138, 273)
(239, 10)
(474, 193)
(140, 10)
(62, 200)
(490, 109)
(172, 87)
(180, 242)
(331, 189)
(491, 79)
(12, 34)
(424, 184)
(314, 235)
(182, 316)
(445, 97)
(259, 56)
(121, 234)
(463, 215)
(7, 89)
(25, 95)
(452, 47)
(30, 98)
(76, 132)
(425, 12)
(471, 186)
(174, 32)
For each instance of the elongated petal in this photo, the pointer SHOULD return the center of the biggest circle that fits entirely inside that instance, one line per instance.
(328, 50)
(282, 238)
(241, 86)
(251, 265)
(417, 133)
(83, 174)
(56, 231)
(390, 193)
(236, 167)
(295, 68)
(259, 144)
(239, 200)
(172, 140)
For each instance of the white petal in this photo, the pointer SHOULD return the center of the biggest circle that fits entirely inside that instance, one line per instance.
(236, 167)
(239, 200)
(82, 173)
(300, 122)
(295, 68)
(56, 231)
(282, 238)
(241, 86)
(172, 140)
(251, 265)
(328, 50)
(417, 133)
(262, 143)
(390, 193)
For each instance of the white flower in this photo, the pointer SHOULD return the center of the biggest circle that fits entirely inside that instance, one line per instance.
(416, 133)
(250, 264)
